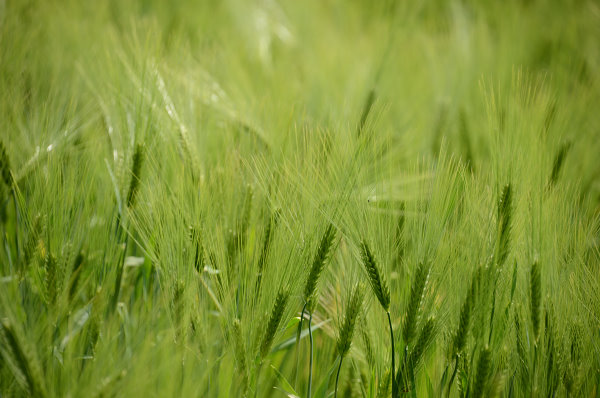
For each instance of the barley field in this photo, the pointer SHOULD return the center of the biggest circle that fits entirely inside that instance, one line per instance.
(316, 198)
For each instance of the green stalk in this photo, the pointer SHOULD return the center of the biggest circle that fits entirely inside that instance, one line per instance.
(298, 333)
(453, 376)
(14, 195)
(394, 385)
(337, 377)
(118, 281)
(311, 354)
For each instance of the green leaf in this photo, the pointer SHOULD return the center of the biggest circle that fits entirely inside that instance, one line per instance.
(292, 323)
(292, 340)
(286, 386)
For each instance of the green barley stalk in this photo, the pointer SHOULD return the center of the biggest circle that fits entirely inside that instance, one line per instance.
(535, 285)
(382, 292)
(376, 279)
(310, 289)
(460, 338)
(318, 265)
(344, 341)
(400, 243)
(136, 169)
(32, 241)
(196, 236)
(262, 260)
(76, 273)
(245, 220)
(240, 353)
(369, 355)
(238, 236)
(270, 331)
(28, 369)
(466, 141)
(178, 305)
(366, 110)
(504, 217)
(423, 342)
(503, 225)
(273, 323)
(414, 303)
(8, 179)
(413, 359)
(523, 358)
(50, 278)
(557, 165)
(483, 371)
(5, 170)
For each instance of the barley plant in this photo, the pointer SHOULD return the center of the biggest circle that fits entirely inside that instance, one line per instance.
(318, 198)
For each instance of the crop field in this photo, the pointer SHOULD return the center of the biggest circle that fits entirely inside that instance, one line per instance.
(284, 198)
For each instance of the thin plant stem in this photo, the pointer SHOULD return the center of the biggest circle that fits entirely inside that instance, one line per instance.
(311, 354)
(337, 376)
(394, 386)
(453, 376)
(298, 333)
(119, 278)
(14, 195)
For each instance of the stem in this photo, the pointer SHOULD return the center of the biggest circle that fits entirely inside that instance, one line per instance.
(7, 249)
(298, 345)
(493, 309)
(452, 377)
(14, 195)
(394, 386)
(311, 354)
(337, 377)
(115, 298)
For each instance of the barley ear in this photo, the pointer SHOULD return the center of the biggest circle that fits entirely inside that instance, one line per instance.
(32, 240)
(76, 273)
(136, 169)
(273, 323)
(425, 338)
(559, 160)
(264, 254)
(368, 346)
(318, 265)
(178, 306)
(51, 278)
(376, 279)
(504, 225)
(346, 332)
(406, 372)
(271, 226)
(344, 341)
(483, 371)
(366, 110)
(240, 353)
(25, 370)
(417, 293)
(460, 338)
(196, 236)
(5, 170)
(535, 284)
